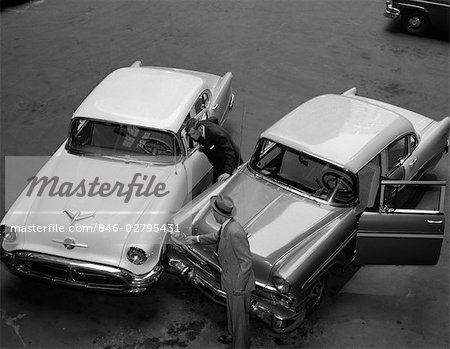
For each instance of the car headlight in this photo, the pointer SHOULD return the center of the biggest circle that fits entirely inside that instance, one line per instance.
(281, 284)
(136, 255)
(8, 233)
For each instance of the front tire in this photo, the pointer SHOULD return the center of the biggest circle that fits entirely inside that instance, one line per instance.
(415, 22)
(316, 294)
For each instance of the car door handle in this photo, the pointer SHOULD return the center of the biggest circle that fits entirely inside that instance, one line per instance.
(412, 163)
(214, 107)
(430, 221)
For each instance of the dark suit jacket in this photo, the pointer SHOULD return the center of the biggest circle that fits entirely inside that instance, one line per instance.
(235, 258)
(220, 149)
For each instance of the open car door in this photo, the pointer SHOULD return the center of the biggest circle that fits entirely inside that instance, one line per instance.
(223, 98)
(409, 227)
(199, 171)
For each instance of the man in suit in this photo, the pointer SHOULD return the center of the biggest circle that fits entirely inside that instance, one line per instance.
(217, 145)
(237, 277)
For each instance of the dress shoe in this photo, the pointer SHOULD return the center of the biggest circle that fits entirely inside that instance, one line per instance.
(225, 339)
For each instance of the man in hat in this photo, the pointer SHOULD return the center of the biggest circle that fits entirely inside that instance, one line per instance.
(237, 277)
(217, 145)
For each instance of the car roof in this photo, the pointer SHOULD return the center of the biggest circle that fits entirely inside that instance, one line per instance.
(340, 129)
(144, 96)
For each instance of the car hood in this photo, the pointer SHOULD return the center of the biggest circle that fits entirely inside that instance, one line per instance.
(275, 219)
(106, 225)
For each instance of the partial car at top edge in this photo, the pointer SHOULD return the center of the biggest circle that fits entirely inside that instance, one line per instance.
(419, 16)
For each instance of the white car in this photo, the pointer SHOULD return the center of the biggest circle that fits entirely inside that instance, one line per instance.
(94, 217)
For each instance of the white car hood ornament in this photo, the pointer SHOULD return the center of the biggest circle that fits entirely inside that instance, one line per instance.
(77, 216)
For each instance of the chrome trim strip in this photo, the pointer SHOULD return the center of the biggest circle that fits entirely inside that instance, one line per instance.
(391, 11)
(405, 210)
(430, 221)
(231, 102)
(400, 182)
(64, 243)
(266, 287)
(424, 2)
(407, 236)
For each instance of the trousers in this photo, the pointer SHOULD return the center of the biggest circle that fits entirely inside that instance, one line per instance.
(238, 319)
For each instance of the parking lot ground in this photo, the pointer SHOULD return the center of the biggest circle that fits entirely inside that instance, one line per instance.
(281, 53)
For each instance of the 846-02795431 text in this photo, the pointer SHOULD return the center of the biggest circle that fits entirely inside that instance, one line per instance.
(97, 227)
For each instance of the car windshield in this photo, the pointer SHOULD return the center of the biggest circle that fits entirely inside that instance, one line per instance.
(308, 174)
(119, 141)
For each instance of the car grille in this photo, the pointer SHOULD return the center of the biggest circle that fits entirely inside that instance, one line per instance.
(69, 275)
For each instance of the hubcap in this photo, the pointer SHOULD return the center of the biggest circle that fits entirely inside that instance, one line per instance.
(415, 22)
(315, 295)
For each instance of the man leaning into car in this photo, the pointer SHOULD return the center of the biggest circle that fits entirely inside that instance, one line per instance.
(237, 277)
(217, 145)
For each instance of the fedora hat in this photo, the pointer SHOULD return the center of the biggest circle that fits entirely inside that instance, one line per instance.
(223, 205)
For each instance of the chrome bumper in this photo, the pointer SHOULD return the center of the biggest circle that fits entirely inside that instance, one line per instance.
(391, 12)
(78, 274)
(278, 318)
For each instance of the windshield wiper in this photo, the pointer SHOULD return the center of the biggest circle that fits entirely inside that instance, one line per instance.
(128, 159)
(125, 158)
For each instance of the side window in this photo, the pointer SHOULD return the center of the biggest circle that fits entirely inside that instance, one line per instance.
(201, 103)
(413, 142)
(269, 157)
(404, 197)
(396, 153)
(187, 141)
(198, 105)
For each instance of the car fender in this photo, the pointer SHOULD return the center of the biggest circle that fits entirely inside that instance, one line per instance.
(311, 258)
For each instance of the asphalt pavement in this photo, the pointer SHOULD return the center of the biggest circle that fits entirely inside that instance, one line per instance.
(281, 53)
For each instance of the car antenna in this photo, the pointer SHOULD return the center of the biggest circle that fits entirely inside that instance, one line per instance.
(242, 130)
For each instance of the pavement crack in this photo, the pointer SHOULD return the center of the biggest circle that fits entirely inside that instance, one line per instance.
(12, 322)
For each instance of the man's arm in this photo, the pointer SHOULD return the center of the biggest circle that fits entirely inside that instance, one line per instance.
(206, 239)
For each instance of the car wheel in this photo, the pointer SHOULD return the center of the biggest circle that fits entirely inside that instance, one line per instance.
(415, 22)
(316, 294)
